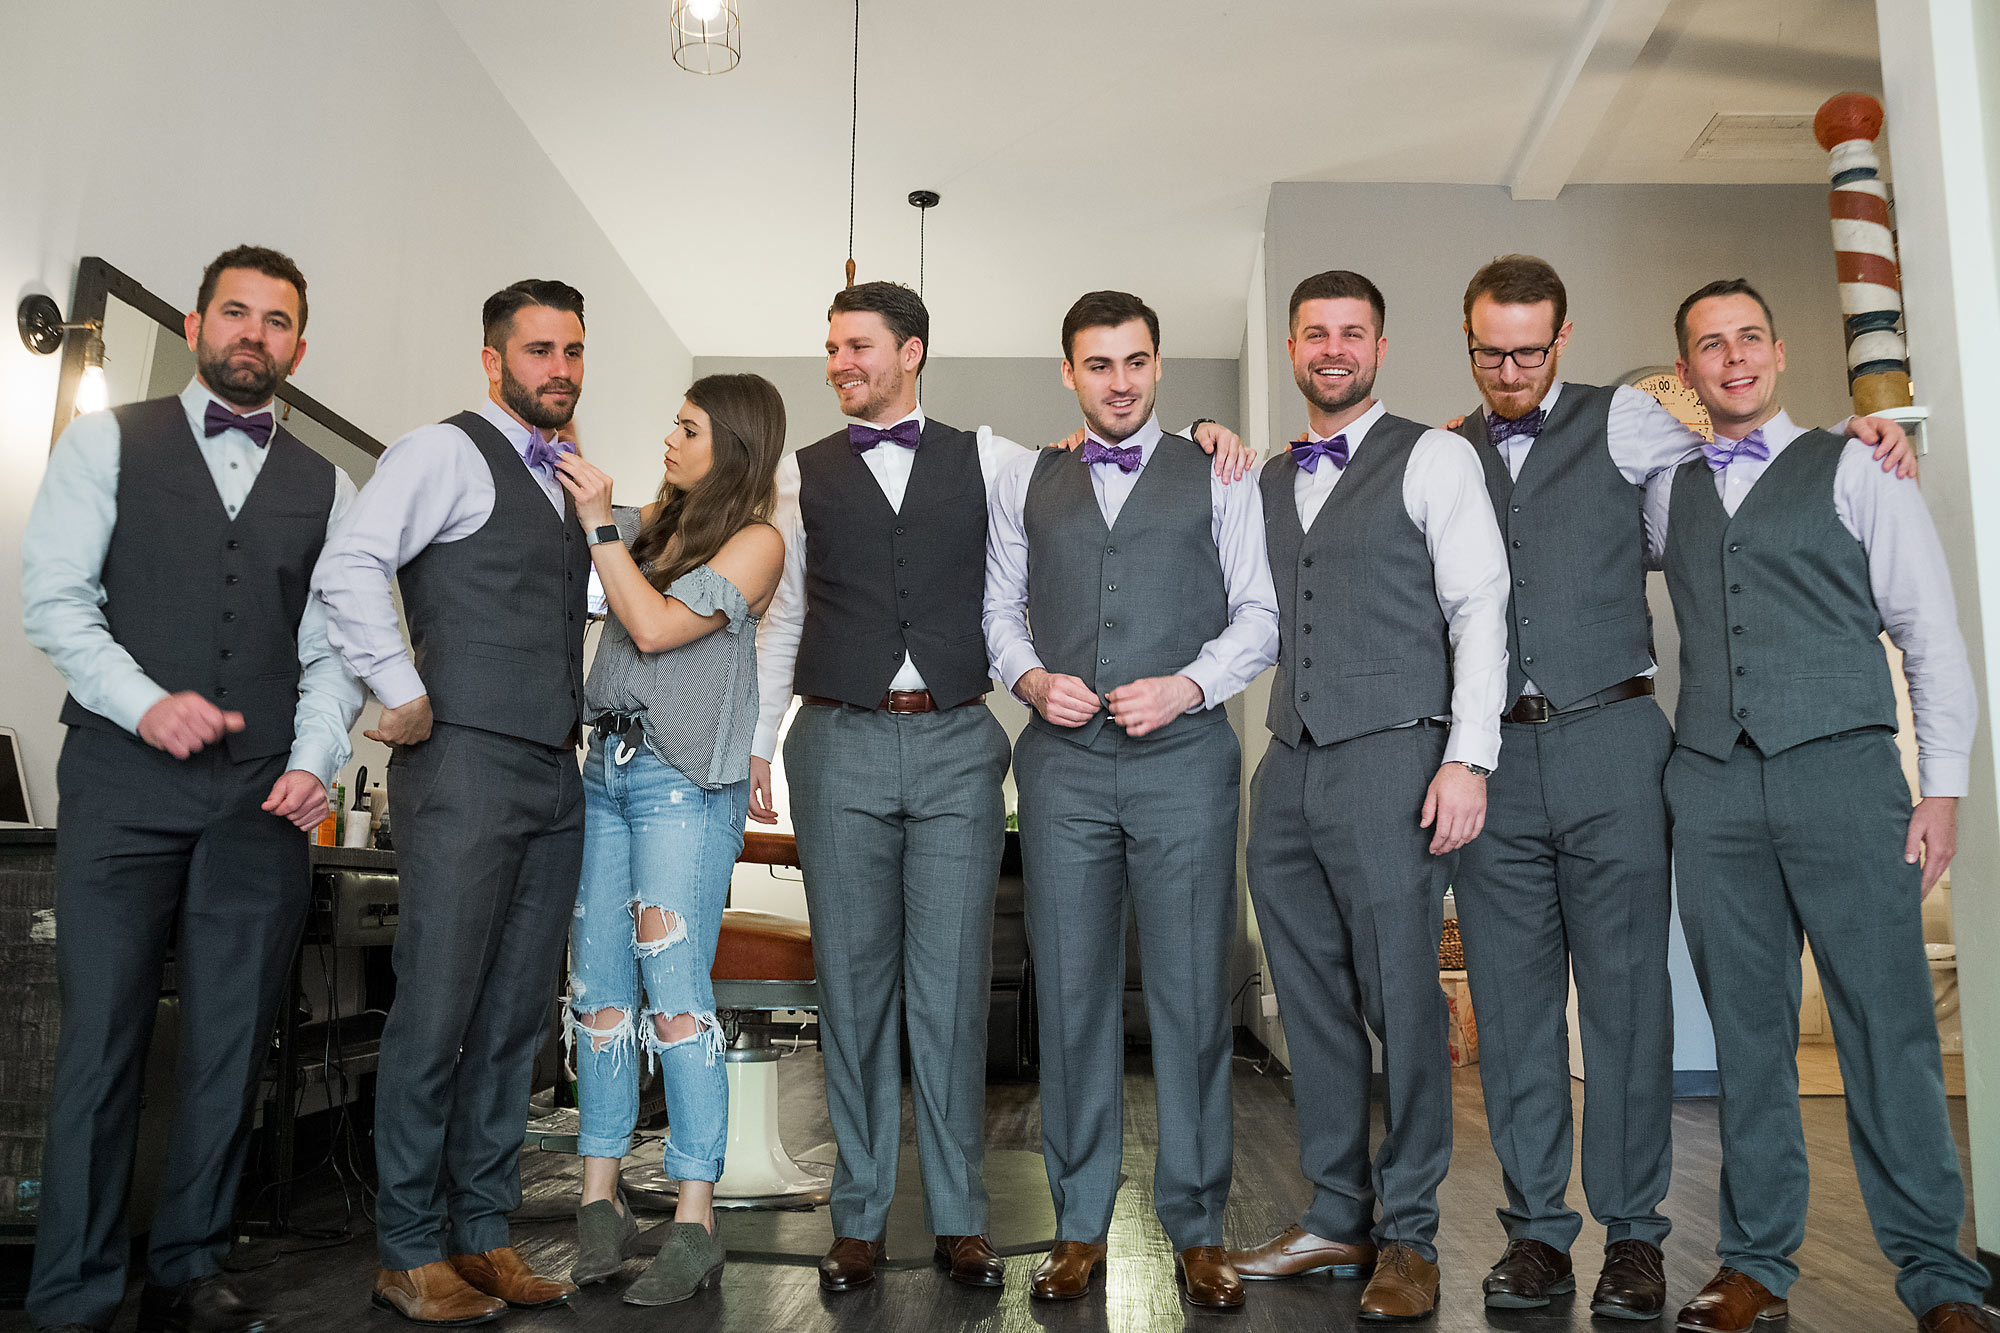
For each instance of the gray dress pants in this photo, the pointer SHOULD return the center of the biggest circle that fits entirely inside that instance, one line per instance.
(489, 846)
(1571, 874)
(149, 844)
(1151, 820)
(1350, 903)
(1808, 844)
(900, 823)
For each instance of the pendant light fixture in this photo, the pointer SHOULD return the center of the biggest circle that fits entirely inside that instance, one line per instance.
(706, 35)
(923, 201)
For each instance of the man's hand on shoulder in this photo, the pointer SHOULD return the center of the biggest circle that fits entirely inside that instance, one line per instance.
(406, 724)
(1891, 441)
(1233, 458)
(183, 723)
(1063, 700)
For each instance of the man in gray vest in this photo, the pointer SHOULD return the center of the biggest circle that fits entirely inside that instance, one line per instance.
(164, 572)
(1571, 875)
(468, 516)
(1145, 581)
(1788, 553)
(1392, 597)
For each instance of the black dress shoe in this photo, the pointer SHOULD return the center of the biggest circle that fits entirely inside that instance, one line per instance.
(199, 1305)
(1633, 1284)
(1527, 1275)
(68, 1328)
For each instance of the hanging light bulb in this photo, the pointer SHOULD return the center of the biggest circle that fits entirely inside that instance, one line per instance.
(705, 10)
(92, 393)
(706, 39)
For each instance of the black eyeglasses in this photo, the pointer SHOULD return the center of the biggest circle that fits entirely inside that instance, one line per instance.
(1527, 358)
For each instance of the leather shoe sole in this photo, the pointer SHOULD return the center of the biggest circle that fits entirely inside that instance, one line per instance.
(970, 1278)
(1606, 1310)
(1770, 1314)
(1337, 1270)
(1516, 1300)
(381, 1302)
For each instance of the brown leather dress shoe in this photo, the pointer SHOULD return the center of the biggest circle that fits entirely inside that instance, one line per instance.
(505, 1274)
(1206, 1279)
(434, 1294)
(849, 1264)
(1633, 1282)
(1732, 1302)
(1957, 1317)
(1065, 1274)
(1403, 1288)
(1294, 1252)
(1528, 1274)
(970, 1260)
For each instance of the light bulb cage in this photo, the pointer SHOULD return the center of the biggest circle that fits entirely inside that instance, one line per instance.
(705, 45)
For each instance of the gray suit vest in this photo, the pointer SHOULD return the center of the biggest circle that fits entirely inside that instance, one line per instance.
(1780, 639)
(1362, 643)
(1114, 605)
(1576, 542)
(496, 618)
(201, 601)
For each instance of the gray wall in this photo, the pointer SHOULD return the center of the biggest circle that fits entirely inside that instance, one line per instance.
(1021, 397)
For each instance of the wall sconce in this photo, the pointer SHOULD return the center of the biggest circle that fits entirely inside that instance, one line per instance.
(40, 322)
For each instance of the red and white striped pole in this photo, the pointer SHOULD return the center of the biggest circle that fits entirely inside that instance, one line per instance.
(1871, 285)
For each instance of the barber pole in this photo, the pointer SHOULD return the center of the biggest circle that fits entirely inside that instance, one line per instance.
(1871, 295)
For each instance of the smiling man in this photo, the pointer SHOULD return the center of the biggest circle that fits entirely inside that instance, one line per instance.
(1788, 553)
(469, 518)
(1144, 578)
(163, 571)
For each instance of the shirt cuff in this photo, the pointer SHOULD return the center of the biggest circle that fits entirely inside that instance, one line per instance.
(128, 701)
(1015, 662)
(764, 742)
(1467, 746)
(313, 759)
(397, 684)
(1943, 775)
(1206, 678)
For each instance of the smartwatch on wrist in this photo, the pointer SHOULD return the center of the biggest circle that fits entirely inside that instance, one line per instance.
(607, 532)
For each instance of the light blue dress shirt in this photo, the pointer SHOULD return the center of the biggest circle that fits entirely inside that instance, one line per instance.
(62, 559)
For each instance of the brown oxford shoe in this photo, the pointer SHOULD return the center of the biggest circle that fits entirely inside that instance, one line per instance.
(1294, 1252)
(1065, 1274)
(505, 1274)
(1206, 1279)
(434, 1294)
(970, 1260)
(1527, 1275)
(1732, 1302)
(849, 1264)
(1403, 1288)
(1633, 1282)
(1957, 1317)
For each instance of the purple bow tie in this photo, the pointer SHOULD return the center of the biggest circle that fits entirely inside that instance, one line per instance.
(1307, 452)
(863, 438)
(1126, 459)
(1722, 453)
(258, 425)
(1499, 428)
(542, 456)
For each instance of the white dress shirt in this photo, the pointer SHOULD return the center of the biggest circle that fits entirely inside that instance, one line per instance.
(62, 561)
(1226, 663)
(1912, 586)
(1445, 495)
(785, 618)
(433, 485)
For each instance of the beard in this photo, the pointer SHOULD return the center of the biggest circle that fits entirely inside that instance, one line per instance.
(529, 405)
(243, 384)
(1332, 399)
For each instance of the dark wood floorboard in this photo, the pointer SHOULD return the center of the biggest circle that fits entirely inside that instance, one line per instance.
(1845, 1283)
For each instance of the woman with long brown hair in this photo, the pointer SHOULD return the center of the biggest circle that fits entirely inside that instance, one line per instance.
(673, 692)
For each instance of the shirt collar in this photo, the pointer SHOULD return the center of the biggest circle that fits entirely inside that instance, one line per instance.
(196, 398)
(1145, 437)
(518, 435)
(1778, 432)
(1355, 430)
(916, 415)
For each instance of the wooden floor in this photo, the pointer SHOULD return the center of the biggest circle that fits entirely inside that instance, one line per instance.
(1845, 1283)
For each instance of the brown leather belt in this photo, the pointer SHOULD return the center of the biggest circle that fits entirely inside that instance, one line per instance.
(895, 701)
(1535, 708)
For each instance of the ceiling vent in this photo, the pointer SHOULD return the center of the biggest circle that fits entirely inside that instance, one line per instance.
(1757, 137)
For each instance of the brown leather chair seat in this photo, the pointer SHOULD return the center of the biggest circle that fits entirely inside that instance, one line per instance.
(762, 946)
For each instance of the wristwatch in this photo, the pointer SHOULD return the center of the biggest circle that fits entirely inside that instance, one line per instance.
(1475, 769)
(606, 533)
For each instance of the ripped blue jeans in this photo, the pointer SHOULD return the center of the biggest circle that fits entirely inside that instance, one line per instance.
(658, 853)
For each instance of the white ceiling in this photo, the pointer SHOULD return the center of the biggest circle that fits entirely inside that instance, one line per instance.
(1109, 143)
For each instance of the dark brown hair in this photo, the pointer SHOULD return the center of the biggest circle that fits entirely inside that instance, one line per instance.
(1518, 280)
(746, 419)
(496, 317)
(1720, 287)
(1338, 285)
(1101, 310)
(900, 308)
(260, 259)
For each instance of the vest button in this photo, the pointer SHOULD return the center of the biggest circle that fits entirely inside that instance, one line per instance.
(1735, 629)
(232, 543)
(1305, 696)
(1104, 661)
(905, 592)
(1520, 583)
(899, 532)
(1736, 587)
(230, 579)
(1742, 671)
(1111, 587)
(572, 615)
(1526, 660)
(902, 560)
(1307, 594)
(906, 624)
(1524, 620)
(1517, 509)
(1742, 712)
(228, 653)
(1736, 546)
(229, 615)
(222, 691)
(1307, 662)
(1107, 624)
(1517, 543)
(1308, 628)
(1307, 562)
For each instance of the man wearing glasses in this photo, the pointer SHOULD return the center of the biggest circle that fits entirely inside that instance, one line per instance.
(1571, 874)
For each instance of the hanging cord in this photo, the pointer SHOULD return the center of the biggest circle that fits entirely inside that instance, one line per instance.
(853, 139)
(923, 215)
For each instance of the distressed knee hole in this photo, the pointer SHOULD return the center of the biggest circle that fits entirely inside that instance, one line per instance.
(609, 1027)
(667, 1031)
(656, 928)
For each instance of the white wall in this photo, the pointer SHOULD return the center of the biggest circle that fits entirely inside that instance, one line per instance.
(362, 139)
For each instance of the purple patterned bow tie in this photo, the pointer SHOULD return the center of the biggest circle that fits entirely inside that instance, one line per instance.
(258, 425)
(1307, 452)
(1126, 459)
(1721, 453)
(541, 455)
(1499, 428)
(863, 438)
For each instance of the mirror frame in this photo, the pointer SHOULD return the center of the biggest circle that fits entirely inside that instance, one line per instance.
(96, 283)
